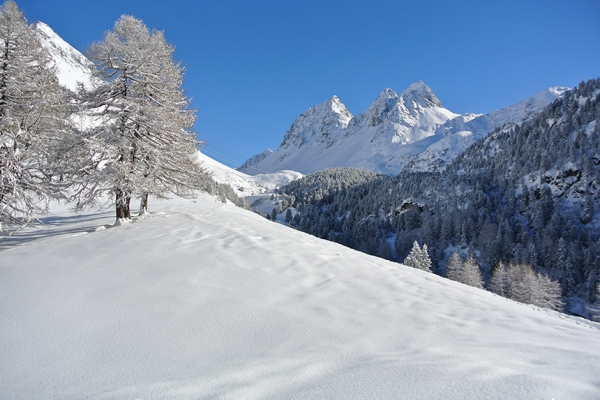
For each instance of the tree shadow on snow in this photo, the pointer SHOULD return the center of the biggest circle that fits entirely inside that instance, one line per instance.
(53, 227)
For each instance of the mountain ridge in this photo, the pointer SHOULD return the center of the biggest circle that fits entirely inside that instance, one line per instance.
(411, 130)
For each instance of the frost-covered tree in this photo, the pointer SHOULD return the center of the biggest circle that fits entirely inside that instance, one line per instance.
(425, 260)
(536, 289)
(547, 293)
(499, 282)
(466, 272)
(472, 273)
(412, 259)
(454, 268)
(32, 121)
(142, 141)
(418, 258)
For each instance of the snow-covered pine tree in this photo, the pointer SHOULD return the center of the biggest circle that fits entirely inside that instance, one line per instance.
(531, 287)
(472, 273)
(454, 268)
(547, 293)
(499, 282)
(515, 274)
(424, 259)
(413, 258)
(142, 143)
(523, 283)
(32, 121)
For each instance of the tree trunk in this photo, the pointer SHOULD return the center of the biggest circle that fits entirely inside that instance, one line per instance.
(122, 206)
(144, 204)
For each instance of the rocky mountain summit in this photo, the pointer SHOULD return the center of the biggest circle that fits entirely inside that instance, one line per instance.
(412, 130)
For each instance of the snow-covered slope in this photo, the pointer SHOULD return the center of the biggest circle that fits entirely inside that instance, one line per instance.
(206, 300)
(410, 129)
(254, 160)
(243, 184)
(72, 66)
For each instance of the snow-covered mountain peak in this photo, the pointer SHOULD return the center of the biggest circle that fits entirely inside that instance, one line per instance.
(318, 123)
(387, 97)
(252, 161)
(410, 130)
(457, 134)
(326, 135)
(336, 106)
(421, 94)
(72, 66)
(409, 104)
(378, 110)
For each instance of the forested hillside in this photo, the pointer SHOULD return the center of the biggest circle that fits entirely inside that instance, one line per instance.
(525, 195)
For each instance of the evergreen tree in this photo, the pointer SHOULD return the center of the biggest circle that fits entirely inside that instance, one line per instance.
(143, 142)
(454, 268)
(547, 293)
(414, 257)
(472, 273)
(32, 121)
(296, 219)
(500, 283)
(424, 259)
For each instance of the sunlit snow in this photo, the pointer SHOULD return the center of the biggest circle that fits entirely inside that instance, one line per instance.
(205, 300)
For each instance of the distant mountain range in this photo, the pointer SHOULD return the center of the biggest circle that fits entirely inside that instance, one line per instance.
(411, 130)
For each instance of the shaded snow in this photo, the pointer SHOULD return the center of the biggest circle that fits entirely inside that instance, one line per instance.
(203, 300)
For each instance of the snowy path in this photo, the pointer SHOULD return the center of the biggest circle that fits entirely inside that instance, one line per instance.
(209, 300)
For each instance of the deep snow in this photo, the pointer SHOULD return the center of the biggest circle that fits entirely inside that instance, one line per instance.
(202, 300)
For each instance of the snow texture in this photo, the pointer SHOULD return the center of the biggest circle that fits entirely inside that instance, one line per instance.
(205, 300)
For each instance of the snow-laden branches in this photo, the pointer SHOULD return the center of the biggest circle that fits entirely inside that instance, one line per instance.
(418, 258)
(32, 122)
(521, 283)
(144, 144)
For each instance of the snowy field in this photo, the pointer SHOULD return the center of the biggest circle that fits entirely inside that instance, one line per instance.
(205, 300)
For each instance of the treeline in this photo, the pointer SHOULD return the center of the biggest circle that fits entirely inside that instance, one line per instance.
(525, 195)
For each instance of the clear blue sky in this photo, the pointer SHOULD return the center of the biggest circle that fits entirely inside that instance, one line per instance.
(254, 66)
